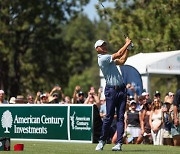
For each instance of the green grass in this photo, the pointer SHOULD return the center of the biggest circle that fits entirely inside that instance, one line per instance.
(87, 148)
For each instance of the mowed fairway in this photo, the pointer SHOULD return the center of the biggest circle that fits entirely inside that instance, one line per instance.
(87, 148)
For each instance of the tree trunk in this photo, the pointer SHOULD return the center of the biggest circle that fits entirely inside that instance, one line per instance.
(178, 81)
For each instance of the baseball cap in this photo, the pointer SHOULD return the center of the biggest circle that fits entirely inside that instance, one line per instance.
(144, 93)
(42, 95)
(12, 100)
(98, 43)
(80, 93)
(157, 93)
(1, 91)
(132, 102)
(131, 98)
(20, 97)
(170, 93)
(55, 94)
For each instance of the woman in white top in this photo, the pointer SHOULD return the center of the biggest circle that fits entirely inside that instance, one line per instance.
(156, 122)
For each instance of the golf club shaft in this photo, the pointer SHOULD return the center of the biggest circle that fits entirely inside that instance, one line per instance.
(106, 12)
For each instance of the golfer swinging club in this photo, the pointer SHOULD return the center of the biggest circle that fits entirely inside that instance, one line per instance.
(115, 90)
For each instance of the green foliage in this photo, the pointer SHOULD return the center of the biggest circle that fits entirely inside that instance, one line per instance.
(90, 77)
(152, 25)
(50, 41)
(33, 53)
(78, 36)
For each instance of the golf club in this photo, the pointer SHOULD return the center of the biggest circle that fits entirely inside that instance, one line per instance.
(124, 35)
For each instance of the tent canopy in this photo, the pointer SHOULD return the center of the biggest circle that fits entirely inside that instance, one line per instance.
(156, 63)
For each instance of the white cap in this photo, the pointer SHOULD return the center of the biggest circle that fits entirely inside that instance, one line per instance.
(133, 101)
(144, 94)
(1, 91)
(98, 43)
(12, 100)
(42, 95)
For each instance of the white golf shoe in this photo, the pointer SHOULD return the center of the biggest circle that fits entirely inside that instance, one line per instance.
(117, 147)
(100, 145)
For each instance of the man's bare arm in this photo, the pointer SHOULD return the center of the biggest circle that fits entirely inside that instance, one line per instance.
(122, 51)
(122, 59)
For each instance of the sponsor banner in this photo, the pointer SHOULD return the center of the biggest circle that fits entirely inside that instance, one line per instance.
(81, 123)
(53, 122)
(132, 76)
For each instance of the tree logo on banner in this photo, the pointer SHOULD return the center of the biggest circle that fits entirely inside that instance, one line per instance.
(6, 120)
(72, 118)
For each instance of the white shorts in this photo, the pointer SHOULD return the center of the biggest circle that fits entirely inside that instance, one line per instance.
(134, 131)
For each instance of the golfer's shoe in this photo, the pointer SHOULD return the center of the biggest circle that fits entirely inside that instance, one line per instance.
(117, 147)
(100, 145)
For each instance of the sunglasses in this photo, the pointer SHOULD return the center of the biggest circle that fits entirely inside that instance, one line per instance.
(157, 101)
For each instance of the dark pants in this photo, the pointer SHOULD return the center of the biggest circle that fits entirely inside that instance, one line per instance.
(115, 102)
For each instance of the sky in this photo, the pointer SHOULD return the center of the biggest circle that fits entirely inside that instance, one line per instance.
(91, 11)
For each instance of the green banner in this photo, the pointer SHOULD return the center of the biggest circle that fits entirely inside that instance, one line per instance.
(81, 122)
(46, 122)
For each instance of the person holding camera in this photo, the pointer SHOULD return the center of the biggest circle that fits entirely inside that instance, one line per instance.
(78, 96)
(92, 98)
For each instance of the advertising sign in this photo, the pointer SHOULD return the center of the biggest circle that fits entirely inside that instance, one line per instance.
(46, 122)
(81, 123)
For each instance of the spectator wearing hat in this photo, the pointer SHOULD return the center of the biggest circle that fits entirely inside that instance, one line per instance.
(57, 94)
(20, 99)
(44, 99)
(146, 94)
(157, 95)
(2, 100)
(133, 124)
(169, 97)
(175, 130)
(78, 96)
(12, 100)
(54, 99)
(81, 98)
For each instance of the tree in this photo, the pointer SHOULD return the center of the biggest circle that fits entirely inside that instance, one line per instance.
(32, 48)
(152, 25)
(79, 36)
(89, 77)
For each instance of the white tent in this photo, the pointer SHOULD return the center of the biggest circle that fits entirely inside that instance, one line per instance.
(166, 63)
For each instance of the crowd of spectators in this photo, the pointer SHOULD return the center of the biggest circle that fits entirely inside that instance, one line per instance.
(152, 120)
(147, 120)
